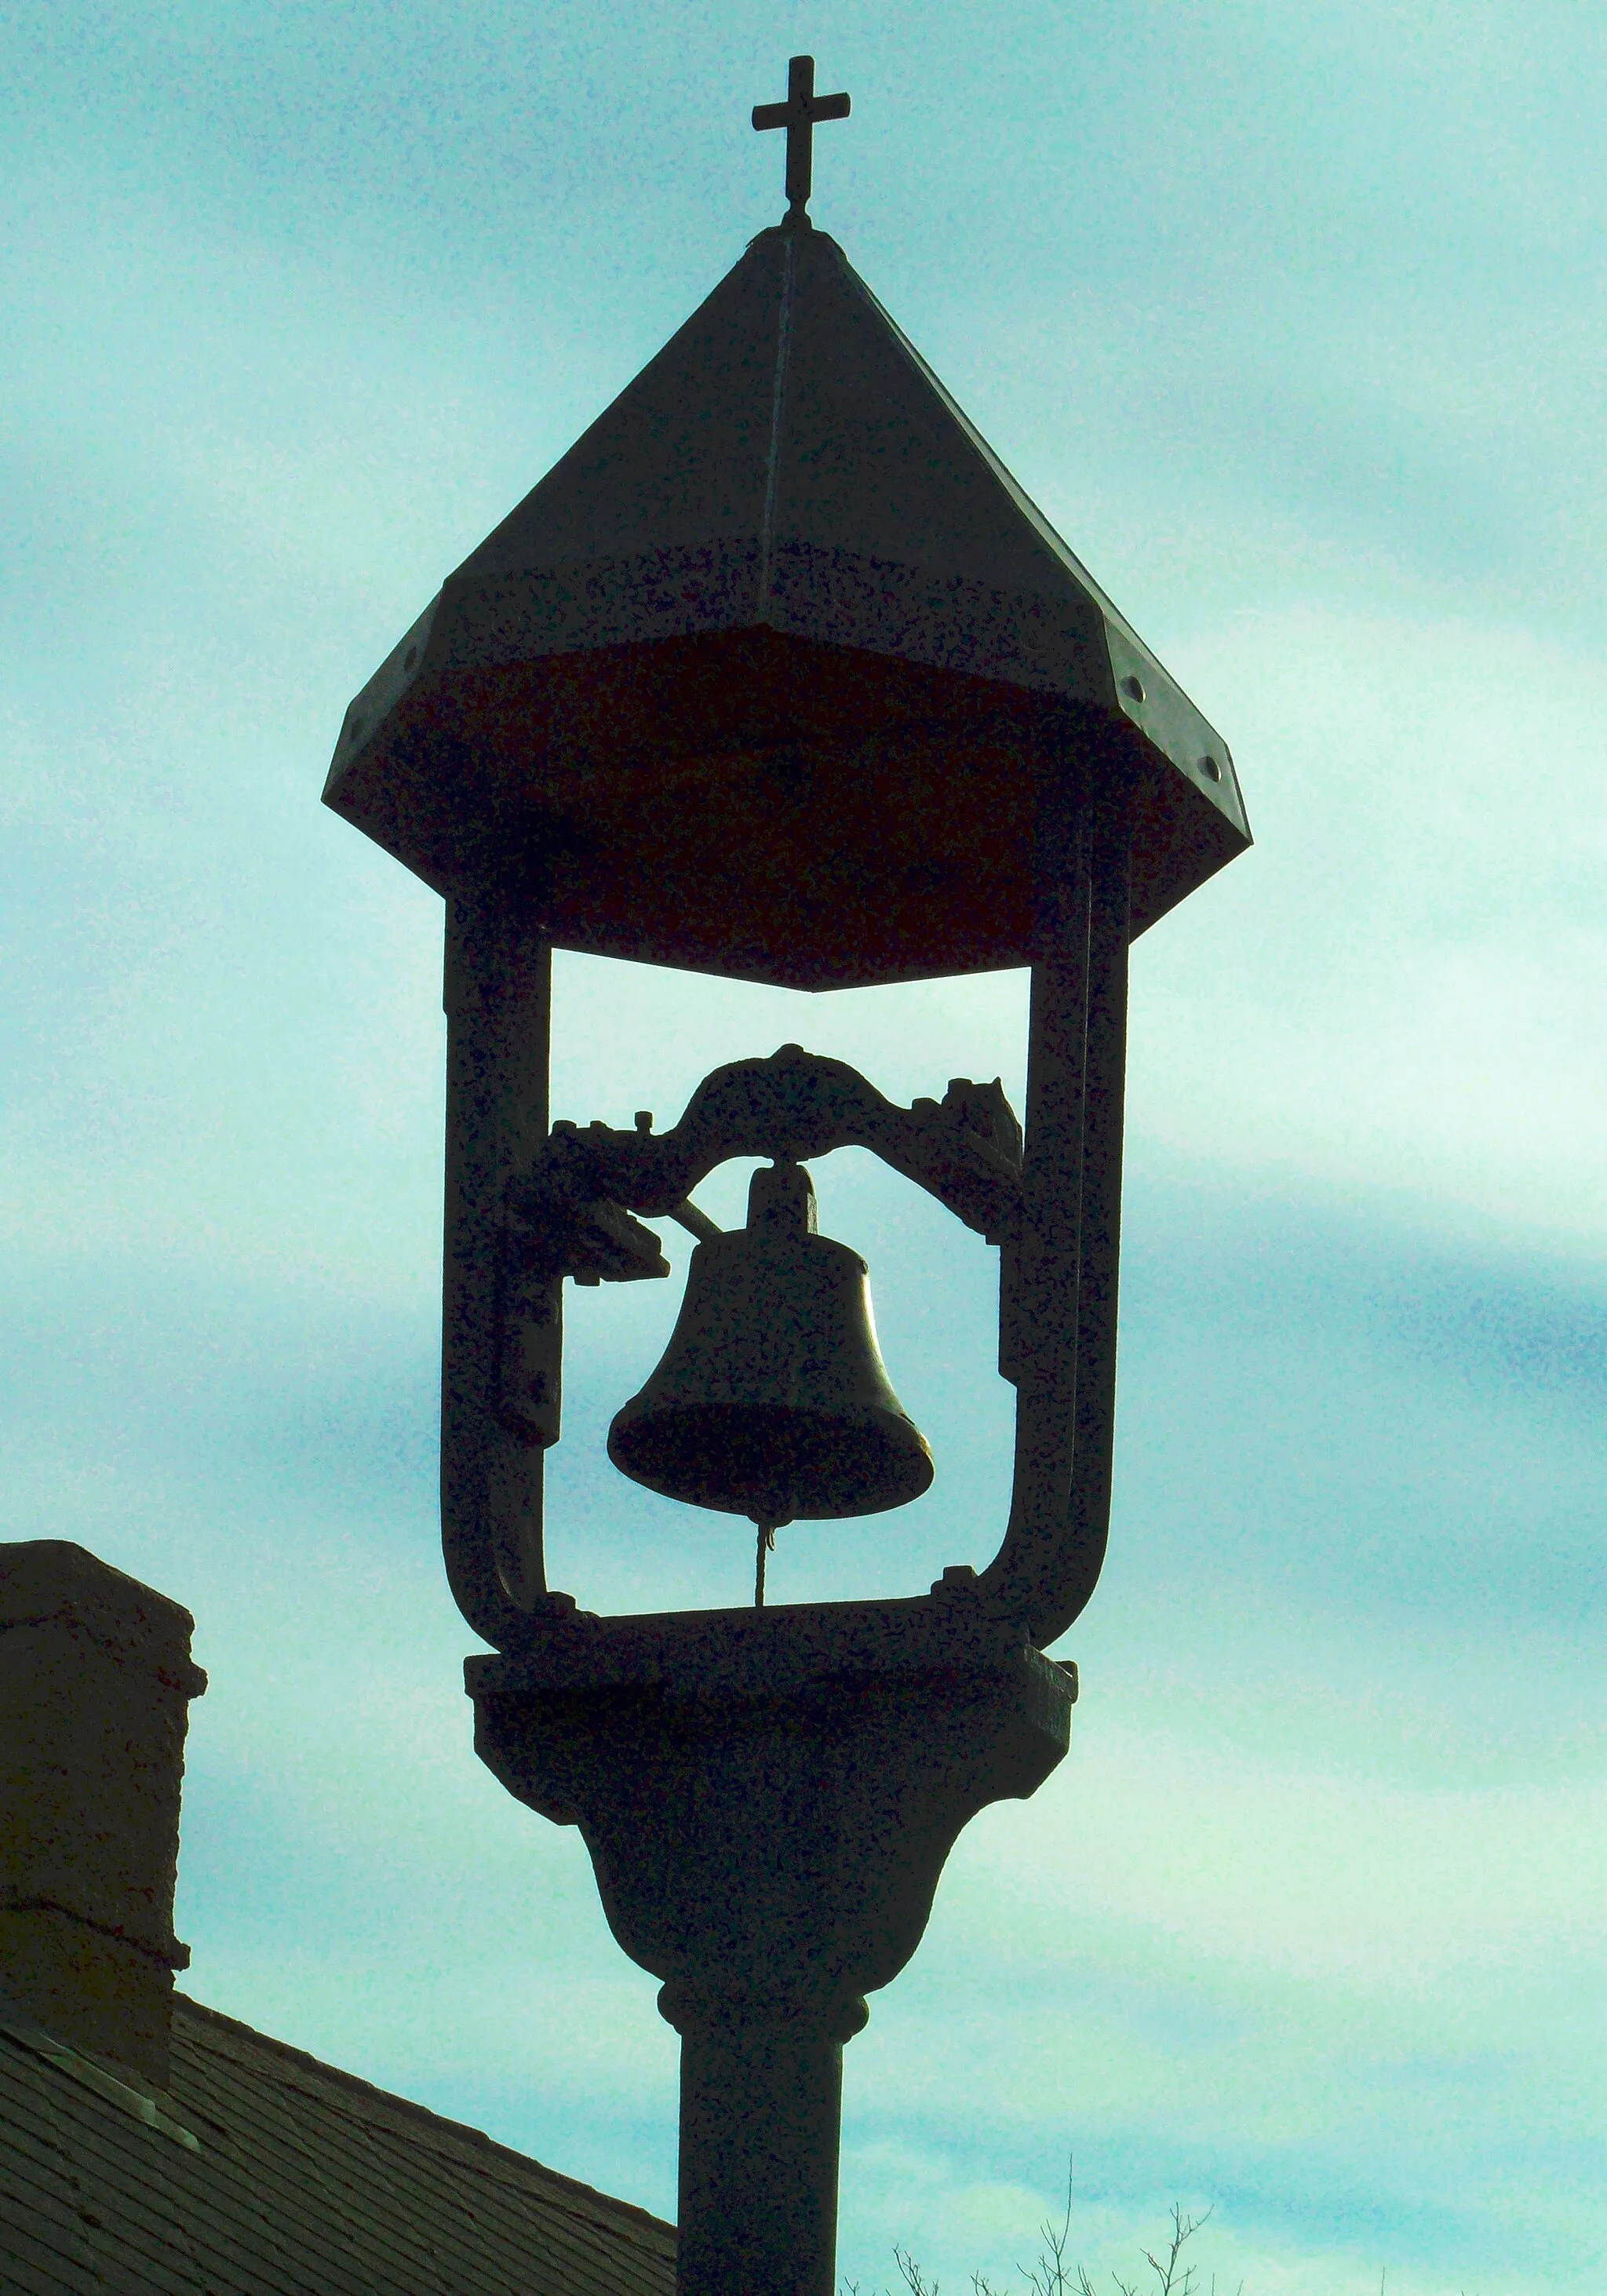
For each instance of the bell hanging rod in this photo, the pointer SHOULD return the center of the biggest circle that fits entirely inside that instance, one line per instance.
(964, 1150)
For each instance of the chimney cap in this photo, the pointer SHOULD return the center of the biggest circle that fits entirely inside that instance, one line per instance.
(55, 1582)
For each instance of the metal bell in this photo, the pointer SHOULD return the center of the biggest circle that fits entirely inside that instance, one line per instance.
(772, 1399)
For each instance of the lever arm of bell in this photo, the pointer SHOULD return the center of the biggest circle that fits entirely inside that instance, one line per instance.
(1058, 1293)
(964, 1150)
(496, 1339)
(554, 1229)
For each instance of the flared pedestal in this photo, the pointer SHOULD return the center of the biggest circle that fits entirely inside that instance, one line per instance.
(768, 1798)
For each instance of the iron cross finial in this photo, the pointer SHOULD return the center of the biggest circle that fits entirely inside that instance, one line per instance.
(797, 115)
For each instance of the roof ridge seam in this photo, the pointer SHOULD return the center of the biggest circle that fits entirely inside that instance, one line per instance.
(778, 398)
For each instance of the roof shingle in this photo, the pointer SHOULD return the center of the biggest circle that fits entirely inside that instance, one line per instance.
(265, 2173)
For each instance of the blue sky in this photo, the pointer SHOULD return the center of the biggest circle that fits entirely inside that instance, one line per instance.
(1292, 317)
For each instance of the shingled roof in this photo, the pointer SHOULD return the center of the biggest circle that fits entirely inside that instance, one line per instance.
(261, 2171)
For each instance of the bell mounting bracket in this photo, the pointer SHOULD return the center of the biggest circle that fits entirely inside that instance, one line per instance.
(570, 1213)
(965, 1149)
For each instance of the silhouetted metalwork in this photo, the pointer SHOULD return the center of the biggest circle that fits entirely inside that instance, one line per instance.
(797, 115)
(779, 676)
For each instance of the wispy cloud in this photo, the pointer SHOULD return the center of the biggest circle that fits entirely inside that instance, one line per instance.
(1292, 318)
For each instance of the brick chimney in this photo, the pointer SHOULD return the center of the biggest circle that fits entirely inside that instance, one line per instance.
(95, 1681)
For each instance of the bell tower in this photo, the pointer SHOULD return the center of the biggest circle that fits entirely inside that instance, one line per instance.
(779, 676)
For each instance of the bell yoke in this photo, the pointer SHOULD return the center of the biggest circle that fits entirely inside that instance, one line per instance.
(779, 676)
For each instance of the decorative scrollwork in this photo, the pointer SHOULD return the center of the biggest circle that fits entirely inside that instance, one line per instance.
(966, 1149)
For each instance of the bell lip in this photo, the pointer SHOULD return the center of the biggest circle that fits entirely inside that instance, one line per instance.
(911, 1442)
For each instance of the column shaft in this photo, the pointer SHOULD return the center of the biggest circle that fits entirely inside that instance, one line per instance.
(761, 2117)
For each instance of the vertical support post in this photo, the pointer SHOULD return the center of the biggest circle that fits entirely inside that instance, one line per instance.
(761, 2129)
(498, 1001)
(1109, 931)
(1059, 1289)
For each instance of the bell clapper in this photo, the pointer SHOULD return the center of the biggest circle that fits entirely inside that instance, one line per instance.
(767, 1546)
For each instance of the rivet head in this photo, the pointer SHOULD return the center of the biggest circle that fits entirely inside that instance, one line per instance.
(1210, 769)
(1133, 687)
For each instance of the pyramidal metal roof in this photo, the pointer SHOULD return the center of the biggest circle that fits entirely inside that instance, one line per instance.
(792, 414)
(788, 463)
